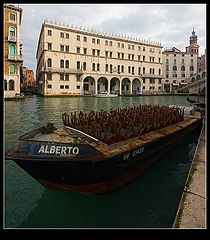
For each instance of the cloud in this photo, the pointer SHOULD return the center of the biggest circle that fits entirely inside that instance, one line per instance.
(171, 24)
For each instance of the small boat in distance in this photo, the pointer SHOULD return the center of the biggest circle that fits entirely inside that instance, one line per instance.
(98, 152)
(196, 103)
(106, 94)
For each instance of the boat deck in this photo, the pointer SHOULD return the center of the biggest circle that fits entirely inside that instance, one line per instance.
(63, 135)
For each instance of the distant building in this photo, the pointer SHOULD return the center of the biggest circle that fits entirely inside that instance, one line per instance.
(29, 79)
(12, 50)
(179, 66)
(76, 61)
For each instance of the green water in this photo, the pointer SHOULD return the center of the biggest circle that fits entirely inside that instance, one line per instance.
(150, 201)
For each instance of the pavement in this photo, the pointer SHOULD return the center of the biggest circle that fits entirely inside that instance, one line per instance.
(192, 208)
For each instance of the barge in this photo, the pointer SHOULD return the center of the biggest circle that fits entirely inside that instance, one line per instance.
(72, 159)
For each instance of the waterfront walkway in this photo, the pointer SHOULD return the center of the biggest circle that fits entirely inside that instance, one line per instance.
(192, 208)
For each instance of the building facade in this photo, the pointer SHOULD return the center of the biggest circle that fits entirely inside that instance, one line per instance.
(12, 50)
(179, 66)
(75, 61)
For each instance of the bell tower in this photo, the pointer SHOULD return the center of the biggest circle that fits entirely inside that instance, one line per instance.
(193, 47)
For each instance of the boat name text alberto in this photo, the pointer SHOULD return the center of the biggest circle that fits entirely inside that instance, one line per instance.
(58, 150)
(134, 153)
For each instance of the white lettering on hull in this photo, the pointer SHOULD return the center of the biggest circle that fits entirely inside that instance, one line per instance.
(58, 150)
(134, 153)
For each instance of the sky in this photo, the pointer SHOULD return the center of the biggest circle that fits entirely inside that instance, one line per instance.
(170, 24)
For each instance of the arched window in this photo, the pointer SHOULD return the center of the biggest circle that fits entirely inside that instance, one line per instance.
(182, 68)
(203, 74)
(11, 85)
(12, 33)
(198, 77)
(5, 85)
(174, 68)
(159, 71)
(132, 70)
(98, 67)
(129, 69)
(143, 70)
(111, 68)
(167, 61)
(118, 68)
(139, 70)
(12, 69)
(49, 62)
(61, 63)
(78, 64)
(191, 68)
(12, 50)
(174, 61)
(153, 71)
(150, 70)
(122, 68)
(84, 66)
(67, 63)
(106, 67)
(94, 67)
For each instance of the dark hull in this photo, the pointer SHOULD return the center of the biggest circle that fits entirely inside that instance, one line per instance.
(97, 174)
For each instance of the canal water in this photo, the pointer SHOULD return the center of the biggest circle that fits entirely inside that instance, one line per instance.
(150, 201)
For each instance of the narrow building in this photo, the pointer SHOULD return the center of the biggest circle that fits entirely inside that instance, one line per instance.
(12, 50)
(76, 61)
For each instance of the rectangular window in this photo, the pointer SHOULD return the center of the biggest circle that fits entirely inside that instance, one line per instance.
(110, 54)
(61, 76)
(143, 80)
(139, 48)
(106, 53)
(78, 87)
(49, 46)
(129, 46)
(85, 51)
(78, 77)
(132, 47)
(62, 48)
(93, 40)
(12, 17)
(159, 60)
(67, 48)
(106, 43)
(93, 52)
(132, 56)
(122, 55)
(49, 76)
(62, 34)
(67, 77)
(49, 85)
(66, 86)
(143, 58)
(118, 55)
(144, 49)
(78, 37)
(110, 43)
(78, 50)
(98, 41)
(67, 35)
(61, 86)
(118, 44)
(98, 53)
(122, 45)
(143, 87)
(139, 57)
(49, 32)
(159, 81)
(85, 39)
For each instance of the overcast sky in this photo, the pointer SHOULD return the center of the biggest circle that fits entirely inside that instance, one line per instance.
(170, 24)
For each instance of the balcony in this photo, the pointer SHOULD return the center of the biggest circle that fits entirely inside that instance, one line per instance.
(64, 70)
(15, 57)
(151, 76)
(11, 38)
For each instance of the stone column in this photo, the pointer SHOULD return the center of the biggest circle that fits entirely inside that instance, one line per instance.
(120, 86)
(96, 86)
(131, 87)
(108, 85)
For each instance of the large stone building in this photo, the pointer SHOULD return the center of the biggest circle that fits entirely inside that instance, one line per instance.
(179, 66)
(12, 50)
(75, 61)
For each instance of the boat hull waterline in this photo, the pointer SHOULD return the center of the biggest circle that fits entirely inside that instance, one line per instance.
(92, 169)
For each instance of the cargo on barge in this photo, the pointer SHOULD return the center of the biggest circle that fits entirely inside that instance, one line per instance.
(98, 152)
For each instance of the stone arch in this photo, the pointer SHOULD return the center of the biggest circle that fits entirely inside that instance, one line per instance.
(115, 85)
(198, 77)
(203, 75)
(136, 86)
(193, 79)
(89, 85)
(102, 85)
(126, 86)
